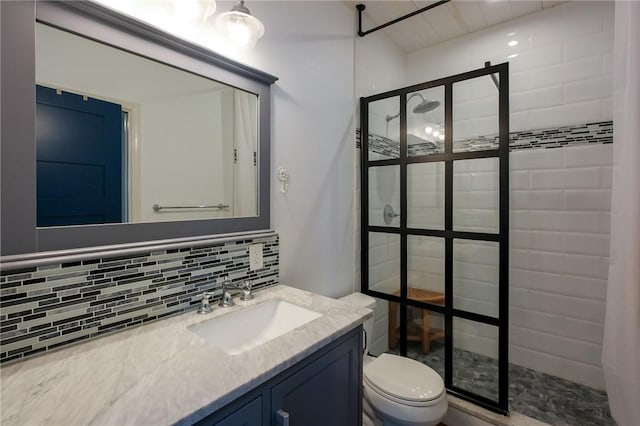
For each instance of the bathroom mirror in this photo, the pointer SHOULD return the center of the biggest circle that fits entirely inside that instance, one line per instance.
(227, 80)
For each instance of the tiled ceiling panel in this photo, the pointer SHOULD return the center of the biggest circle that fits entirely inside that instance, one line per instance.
(446, 21)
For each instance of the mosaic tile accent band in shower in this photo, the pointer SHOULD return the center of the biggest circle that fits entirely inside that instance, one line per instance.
(46, 307)
(590, 133)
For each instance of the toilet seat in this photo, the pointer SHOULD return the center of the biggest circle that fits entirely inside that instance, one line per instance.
(404, 381)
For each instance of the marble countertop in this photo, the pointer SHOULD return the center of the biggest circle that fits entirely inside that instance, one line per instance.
(161, 373)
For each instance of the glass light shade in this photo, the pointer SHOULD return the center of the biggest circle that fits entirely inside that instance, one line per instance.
(239, 26)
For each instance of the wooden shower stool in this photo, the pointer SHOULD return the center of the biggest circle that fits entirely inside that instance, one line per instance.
(415, 333)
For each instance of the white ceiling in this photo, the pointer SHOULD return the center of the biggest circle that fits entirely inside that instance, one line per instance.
(446, 21)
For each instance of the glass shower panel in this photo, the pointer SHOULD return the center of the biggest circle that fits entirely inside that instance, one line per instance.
(384, 129)
(425, 195)
(475, 357)
(475, 276)
(476, 195)
(384, 196)
(425, 122)
(475, 114)
(425, 337)
(384, 262)
(425, 269)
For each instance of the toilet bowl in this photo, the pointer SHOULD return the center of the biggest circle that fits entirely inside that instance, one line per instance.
(398, 391)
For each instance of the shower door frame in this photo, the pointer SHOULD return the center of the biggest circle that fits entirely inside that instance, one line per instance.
(448, 234)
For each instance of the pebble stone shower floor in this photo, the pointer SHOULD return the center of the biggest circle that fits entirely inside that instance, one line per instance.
(544, 397)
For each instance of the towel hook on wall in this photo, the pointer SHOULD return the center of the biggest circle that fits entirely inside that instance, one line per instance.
(283, 176)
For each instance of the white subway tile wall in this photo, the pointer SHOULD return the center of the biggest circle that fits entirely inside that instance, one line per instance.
(560, 70)
(559, 260)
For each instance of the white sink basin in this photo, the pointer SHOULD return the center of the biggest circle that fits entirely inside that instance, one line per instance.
(247, 328)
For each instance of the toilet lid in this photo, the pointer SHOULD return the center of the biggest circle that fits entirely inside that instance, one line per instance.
(403, 378)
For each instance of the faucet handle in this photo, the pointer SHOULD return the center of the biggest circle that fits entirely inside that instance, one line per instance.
(246, 291)
(205, 308)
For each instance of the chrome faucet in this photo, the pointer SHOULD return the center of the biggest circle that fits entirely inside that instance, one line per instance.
(226, 300)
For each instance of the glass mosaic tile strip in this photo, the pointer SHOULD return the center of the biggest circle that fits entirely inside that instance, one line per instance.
(54, 305)
(560, 137)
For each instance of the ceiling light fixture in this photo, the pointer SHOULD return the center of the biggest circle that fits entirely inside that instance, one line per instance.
(512, 43)
(240, 26)
(428, 129)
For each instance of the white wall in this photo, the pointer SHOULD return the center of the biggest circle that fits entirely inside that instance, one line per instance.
(310, 47)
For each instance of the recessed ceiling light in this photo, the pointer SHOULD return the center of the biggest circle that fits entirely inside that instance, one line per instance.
(513, 55)
(428, 129)
(512, 43)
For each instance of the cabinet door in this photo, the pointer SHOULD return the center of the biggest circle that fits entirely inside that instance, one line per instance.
(326, 392)
(249, 414)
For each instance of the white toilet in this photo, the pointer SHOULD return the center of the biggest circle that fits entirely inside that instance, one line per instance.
(398, 391)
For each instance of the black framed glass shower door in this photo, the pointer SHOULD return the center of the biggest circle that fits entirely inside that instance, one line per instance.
(435, 224)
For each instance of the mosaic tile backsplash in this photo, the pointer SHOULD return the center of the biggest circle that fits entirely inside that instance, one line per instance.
(46, 307)
(590, 133)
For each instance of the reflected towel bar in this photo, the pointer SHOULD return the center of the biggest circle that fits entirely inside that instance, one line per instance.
(157, 208)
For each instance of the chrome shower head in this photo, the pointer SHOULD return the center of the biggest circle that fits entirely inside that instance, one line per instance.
(425, 106)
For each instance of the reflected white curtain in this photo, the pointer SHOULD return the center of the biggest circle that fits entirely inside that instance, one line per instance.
(245, 197)
(621, 345)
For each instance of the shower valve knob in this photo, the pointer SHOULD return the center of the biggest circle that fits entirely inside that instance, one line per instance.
(389, 214)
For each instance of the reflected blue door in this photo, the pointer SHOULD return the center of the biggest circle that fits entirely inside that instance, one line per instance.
(79, 159)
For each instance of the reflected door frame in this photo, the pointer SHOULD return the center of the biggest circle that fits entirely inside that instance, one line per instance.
(448, 234)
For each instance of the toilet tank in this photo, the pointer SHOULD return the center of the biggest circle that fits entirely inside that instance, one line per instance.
(363, 301)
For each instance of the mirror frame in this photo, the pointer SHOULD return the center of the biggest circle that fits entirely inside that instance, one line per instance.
(18, 231)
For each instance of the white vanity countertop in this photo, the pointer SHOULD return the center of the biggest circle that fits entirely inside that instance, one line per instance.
(161, 373)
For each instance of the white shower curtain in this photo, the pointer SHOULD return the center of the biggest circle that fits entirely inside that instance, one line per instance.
(245, 197)
(621, 345)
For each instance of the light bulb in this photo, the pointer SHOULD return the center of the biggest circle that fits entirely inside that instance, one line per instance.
(428, 129)
(239, 32)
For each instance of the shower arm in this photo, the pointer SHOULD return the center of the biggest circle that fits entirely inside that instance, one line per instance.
(487, 64)
(411, 96)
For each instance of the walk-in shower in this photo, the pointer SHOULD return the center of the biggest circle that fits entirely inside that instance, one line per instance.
(438, 267)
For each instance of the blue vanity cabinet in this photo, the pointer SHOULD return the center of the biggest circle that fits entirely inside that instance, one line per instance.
(323, 389)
